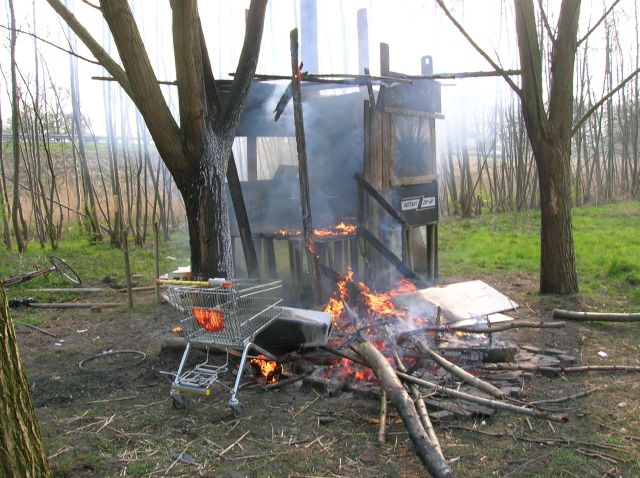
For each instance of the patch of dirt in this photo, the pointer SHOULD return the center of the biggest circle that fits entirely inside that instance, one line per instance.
(123, 423)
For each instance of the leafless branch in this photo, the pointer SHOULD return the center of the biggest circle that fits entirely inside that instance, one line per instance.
(96, 49)
(70, 52)
(545, 20)
(91, 4)
(597, 24)
(495, 66)
(597, 105)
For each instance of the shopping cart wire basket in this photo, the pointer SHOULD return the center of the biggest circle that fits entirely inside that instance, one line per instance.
(228, 315)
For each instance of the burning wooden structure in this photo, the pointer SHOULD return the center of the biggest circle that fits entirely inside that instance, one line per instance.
(372, 173)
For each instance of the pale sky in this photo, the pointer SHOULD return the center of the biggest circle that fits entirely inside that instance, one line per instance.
(412, 28)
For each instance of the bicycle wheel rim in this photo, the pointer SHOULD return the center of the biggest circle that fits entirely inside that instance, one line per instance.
(65, 270)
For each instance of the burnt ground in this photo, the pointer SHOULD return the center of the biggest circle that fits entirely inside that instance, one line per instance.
(122, 423)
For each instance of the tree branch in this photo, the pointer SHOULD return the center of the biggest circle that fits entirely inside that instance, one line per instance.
(597, 24)
(531, 68)
(145, 91)
(562, 67)
(597, 105)
(186, 50)
(101, 55)
(545, 21)
(228, 121)
(70, 52)
(495, 66)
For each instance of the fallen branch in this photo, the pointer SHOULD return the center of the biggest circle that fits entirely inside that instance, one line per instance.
(595, 316)
(70, 290)
(516, 324)
(73, 305)
(421, 408)
(397, 394)
(567, 398)
(50, 334)
(488, 402)
(382, 425)
(560, 369)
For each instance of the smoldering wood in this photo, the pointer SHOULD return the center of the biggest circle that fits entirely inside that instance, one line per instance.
(595, 316)
(403, 403)
(462, 374)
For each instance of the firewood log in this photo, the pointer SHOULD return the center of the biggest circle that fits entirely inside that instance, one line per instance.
(398, 396)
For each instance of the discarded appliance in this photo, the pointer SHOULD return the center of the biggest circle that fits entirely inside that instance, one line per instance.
(296, 329)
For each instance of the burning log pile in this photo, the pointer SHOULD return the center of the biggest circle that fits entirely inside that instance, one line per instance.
(405, 354)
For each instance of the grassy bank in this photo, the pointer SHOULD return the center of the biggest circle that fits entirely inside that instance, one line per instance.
(607, 246)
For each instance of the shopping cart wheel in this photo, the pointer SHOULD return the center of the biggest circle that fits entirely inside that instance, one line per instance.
(179, 401)
(237, 407)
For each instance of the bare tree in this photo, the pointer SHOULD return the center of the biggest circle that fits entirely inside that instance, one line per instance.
(197, 151)
(549, 121)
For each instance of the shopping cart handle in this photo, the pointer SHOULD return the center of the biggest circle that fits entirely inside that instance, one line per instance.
(214, 283)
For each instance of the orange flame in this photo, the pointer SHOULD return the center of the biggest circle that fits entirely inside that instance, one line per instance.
(176, 330)
(335, 307)
(269, 369)
(341, 229)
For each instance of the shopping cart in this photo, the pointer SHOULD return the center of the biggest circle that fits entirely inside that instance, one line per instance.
(223, 314)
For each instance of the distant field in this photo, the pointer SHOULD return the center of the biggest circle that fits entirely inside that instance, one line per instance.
(607, 245)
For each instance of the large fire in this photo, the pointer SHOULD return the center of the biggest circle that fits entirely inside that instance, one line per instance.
(378, 306)
(374, 310)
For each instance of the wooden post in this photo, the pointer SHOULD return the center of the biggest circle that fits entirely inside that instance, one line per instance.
(156, 256)
(248, 247)
(127, 267)
(269, 253)
(252, 158)
(307, 225)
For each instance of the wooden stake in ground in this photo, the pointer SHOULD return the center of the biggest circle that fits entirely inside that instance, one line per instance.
(156, 257)
(303, 175)
(21, 450)
(127, 267)
(397, 394)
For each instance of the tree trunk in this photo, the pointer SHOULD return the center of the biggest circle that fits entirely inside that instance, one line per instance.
(205, 201)
(15, 126)
(22, 452)
(557, 258)
(550, 137)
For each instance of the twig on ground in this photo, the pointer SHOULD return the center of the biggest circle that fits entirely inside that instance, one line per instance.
(567, 398)
(223, 452)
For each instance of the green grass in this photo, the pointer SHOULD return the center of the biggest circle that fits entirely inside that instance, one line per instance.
(606, 240)
(92, 261)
